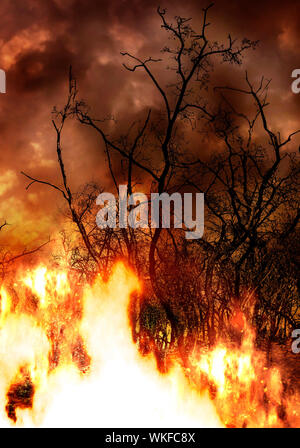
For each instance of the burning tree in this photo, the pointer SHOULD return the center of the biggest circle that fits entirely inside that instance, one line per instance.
(252, 217)
(150, 149)
(197, 292)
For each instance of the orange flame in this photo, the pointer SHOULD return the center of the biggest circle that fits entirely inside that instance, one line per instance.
(67, 359)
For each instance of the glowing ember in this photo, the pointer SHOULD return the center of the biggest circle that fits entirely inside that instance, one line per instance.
(67, 359)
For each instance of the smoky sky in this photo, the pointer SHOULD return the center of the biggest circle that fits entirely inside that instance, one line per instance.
(39, 40)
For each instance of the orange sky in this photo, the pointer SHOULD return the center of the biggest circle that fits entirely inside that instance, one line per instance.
(38, 42)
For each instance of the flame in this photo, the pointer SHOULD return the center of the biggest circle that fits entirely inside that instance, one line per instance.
(245, 391)
(67, 358)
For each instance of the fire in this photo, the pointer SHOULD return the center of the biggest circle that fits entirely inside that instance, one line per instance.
(67, 358)
(246, 393)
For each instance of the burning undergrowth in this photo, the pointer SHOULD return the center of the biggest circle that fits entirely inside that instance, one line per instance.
(247, 389)
(66, 352)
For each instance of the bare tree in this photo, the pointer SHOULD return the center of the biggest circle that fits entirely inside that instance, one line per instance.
(192, 58)
(252, 210)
